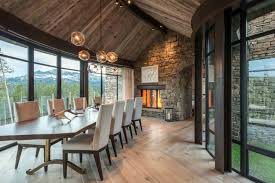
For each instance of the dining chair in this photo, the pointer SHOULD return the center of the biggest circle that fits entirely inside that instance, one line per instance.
(25, 111)
(127, 118)
(116, 124)
(80, 103)
(91, 143)
(97, 101)
(59, 106)
(137, 113)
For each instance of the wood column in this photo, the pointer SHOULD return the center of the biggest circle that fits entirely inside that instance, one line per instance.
(219, 92)
(198, 87)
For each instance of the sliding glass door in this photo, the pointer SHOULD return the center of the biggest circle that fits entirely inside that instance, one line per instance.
(210, 89)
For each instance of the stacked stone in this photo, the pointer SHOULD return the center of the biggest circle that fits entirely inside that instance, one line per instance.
(173, 53)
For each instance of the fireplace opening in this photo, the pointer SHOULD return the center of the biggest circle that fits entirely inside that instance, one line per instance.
(151, 98)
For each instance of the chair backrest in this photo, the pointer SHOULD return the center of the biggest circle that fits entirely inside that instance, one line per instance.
(102, 130)
(117, 117)
(25, 111)
(78, 103)
(97, 100)
(137, 108)
(58, 106)
(128, 112)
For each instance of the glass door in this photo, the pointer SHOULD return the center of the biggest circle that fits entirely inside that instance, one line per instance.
(253, 90)
(210, 90)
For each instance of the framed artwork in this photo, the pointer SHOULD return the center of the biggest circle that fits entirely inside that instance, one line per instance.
(149, 74)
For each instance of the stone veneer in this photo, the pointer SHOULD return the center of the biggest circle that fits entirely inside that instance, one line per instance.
(173, 53)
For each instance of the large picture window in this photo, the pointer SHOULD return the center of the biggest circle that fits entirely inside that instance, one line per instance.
(253, 99)
(13, 79)
(45, 78)
(106, 82)
(70, 79)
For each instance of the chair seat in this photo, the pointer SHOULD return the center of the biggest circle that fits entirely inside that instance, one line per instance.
(79, 142)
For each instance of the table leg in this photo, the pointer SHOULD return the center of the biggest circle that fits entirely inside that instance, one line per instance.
(47, 153)
(48, 161)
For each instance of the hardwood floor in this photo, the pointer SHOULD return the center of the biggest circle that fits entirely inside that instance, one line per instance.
(163, 152)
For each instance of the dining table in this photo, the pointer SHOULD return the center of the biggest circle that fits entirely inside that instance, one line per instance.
(49, 128)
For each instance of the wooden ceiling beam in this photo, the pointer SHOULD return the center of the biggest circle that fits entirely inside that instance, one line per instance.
(15, 26)
(144, 16)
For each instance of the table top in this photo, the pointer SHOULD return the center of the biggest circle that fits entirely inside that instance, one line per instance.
(48, 127)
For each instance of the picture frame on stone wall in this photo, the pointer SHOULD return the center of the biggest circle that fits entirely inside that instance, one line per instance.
(149, 74)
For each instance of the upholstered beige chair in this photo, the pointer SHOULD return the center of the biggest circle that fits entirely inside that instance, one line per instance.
(59, 106)
(97, 101)
(92, 143)
(25, 111)
(116, 124)
(127, 117)
(78, 103)
(137, 113)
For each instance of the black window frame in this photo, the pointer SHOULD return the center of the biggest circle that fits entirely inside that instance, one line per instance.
(245, 148)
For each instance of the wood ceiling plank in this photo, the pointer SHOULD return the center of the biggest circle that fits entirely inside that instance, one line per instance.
(174, 14)
(122, 31)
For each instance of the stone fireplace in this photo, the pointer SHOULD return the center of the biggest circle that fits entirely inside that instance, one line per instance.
(173, 54)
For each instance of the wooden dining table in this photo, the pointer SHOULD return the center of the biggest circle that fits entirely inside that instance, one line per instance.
(49, 128)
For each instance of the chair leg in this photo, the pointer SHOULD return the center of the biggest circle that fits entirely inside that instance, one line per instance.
(135, 127)
(37, 152)
(113, 144)
(98, 164)
(80, 157)
(125, 134)
(130, 128)
(120, 138)
(140, 125)
(108, 154)
(19, 151)
(65, 160)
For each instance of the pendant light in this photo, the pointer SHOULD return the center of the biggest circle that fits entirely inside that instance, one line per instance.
(101, 55)
(84, 55)
(77, 38)
(112, 57)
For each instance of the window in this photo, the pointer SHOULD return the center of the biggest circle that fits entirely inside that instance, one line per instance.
(110, 84)
(109, 88)
(45, 78)
(210, 90)
(104, 81)
(253, 59)
(13, 79)
(70, 79)
(94, 86)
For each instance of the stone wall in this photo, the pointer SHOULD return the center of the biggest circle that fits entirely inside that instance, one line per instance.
(173, 53)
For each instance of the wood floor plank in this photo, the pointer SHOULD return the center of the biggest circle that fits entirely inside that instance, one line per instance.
(162, 153)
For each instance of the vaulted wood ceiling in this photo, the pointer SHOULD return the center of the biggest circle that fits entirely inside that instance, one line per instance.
(174, 14)
(122, 31)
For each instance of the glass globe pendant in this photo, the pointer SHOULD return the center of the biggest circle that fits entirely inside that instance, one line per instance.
(77, 38)
(84, 55)
(112, 57)
(101, 56)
